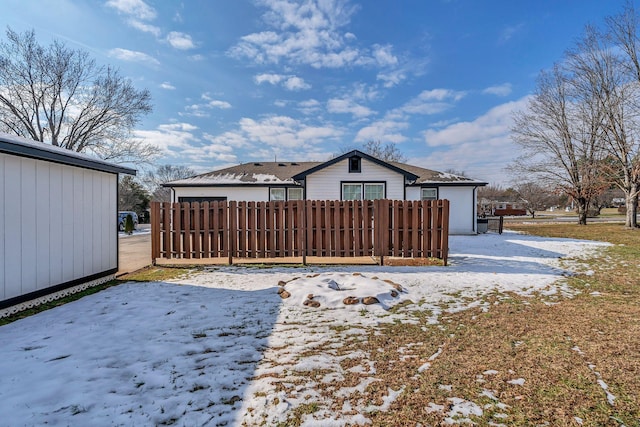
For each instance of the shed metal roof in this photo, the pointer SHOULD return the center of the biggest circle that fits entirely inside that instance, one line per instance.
(24, 147)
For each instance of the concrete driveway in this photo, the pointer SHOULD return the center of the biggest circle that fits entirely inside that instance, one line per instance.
(134, 251)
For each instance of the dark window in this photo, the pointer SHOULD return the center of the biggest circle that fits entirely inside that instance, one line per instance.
(355, 164)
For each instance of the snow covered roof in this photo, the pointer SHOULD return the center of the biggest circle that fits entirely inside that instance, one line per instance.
(248, 173)
(290, 173)
(24, 147)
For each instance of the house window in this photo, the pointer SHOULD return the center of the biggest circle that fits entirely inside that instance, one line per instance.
(277, 194)
(363, 190)
(429, 194)
(351, 191)
(355, 164)
(373, 191)
(294, 194)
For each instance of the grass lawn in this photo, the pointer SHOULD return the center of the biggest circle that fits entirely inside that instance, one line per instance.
(570, 350)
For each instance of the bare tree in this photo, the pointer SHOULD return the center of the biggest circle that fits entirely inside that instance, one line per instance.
(616, 78)
(535, 197)
(153, 180)
(59, 95)
(388, 152)
(559, 135)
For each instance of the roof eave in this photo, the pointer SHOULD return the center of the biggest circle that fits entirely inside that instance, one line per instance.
(17, 148)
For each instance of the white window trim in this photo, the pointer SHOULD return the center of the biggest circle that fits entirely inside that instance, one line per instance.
(422, 191)
(362, 185)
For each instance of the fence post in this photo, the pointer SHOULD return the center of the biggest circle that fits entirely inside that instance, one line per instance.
(231, 229)
(304, 224)
(445, 231)
(155, 231)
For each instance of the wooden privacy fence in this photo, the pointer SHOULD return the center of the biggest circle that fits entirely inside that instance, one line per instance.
(300, 228)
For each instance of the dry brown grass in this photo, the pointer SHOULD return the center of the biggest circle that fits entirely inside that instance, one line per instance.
(561, 350)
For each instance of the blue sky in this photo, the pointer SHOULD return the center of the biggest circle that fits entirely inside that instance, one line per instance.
(238, 81)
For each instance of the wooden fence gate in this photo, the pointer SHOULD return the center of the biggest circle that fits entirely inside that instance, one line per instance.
(300, 228)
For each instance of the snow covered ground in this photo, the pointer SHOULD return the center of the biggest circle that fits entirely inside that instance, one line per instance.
(213, 348)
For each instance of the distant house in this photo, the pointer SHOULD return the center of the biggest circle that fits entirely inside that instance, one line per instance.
(58, 213)
(503, 207)
(351, 176)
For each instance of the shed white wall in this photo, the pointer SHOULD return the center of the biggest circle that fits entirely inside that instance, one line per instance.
(58, 223)
(462, 216)
(462, 210)
(248, 194)
(325, 183)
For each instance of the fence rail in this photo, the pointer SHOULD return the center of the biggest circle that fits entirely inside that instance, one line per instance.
(301, 228)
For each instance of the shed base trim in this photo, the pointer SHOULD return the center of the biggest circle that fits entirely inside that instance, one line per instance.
(34, 299)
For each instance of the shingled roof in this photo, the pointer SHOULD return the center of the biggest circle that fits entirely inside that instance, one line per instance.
(287, 173)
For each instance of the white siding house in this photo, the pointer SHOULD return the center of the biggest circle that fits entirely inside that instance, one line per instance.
(58, 214)
(354, 175)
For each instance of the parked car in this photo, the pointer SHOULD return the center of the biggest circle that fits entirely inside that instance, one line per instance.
(122, 218)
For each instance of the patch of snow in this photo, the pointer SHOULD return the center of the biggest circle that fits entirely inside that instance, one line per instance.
(433, 407)
(386, 400)
(490, 394)
(517, 381)
(461, 409)
(490, 372)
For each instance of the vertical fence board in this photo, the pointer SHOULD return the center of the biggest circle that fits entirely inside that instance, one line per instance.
(196, 230)
(311, 226)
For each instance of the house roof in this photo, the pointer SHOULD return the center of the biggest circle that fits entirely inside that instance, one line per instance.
(258, 173)
(24, 147)
(290, 173)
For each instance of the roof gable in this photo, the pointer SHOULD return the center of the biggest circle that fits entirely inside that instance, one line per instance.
(356, 153)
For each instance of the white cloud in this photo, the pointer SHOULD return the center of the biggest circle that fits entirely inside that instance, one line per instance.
(495, 125)
(383, 55)
(132, 56)
(348, 106)
(137, 8)
(273, 79)
(432, 101)
(203, 110)
(441, 95)
(498, 90)
(180, 41)
(146, 28)
(167, 86)
(309, 33)
(509, 32)
(223, 105)
(292, 83)
(392, 78)
(196, 57)
(296, 83)
(310, 106)
(386, 130)
(283, 136)
(172, 138)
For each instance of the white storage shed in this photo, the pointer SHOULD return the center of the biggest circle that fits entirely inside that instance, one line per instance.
(58, 231)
